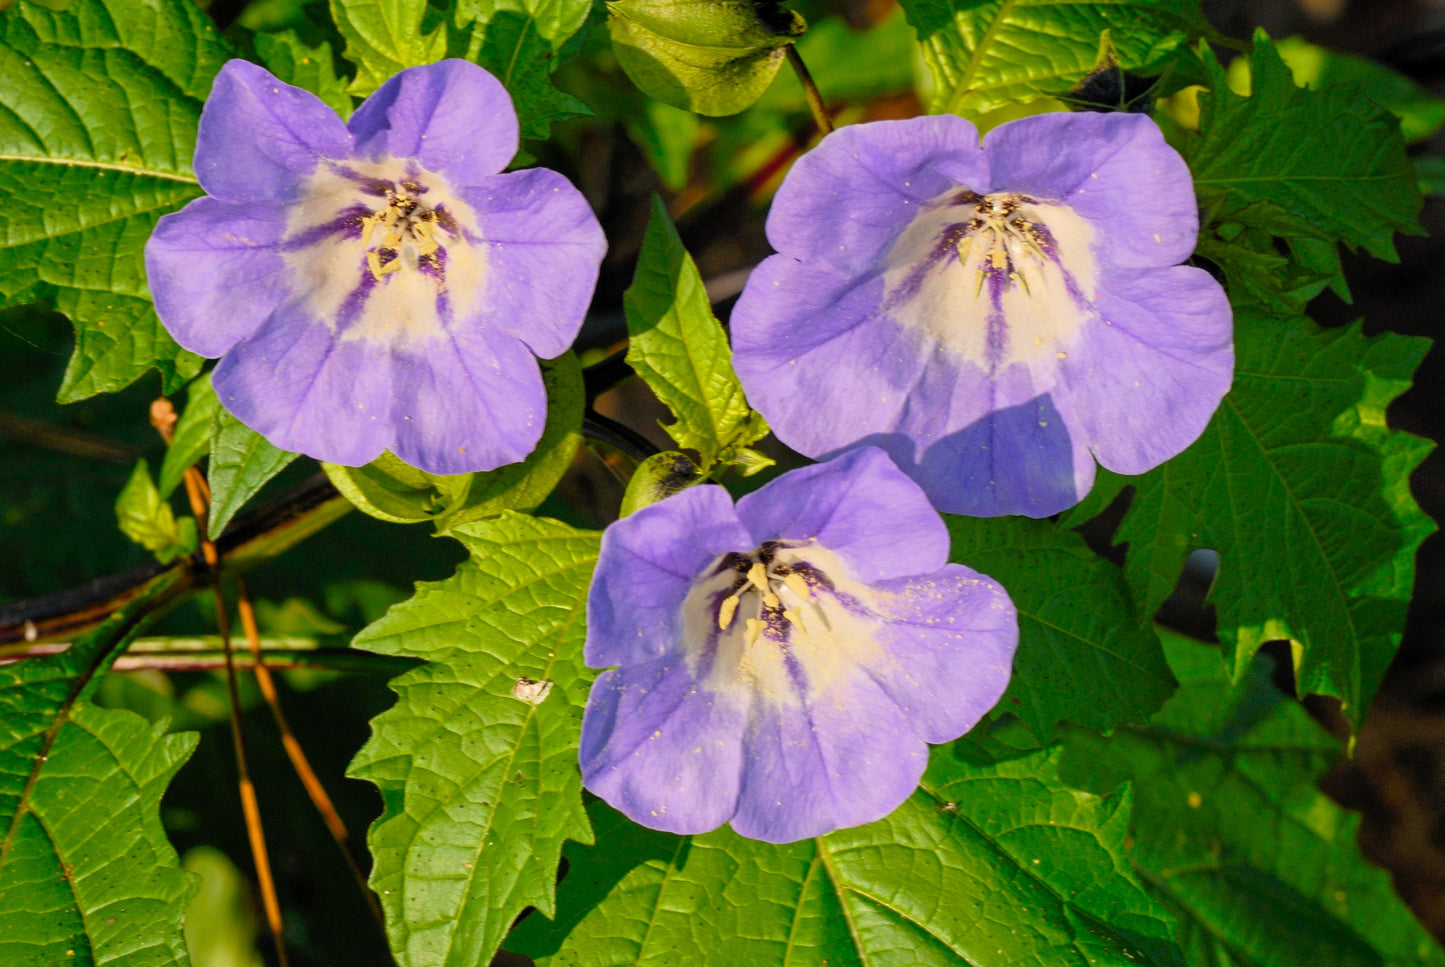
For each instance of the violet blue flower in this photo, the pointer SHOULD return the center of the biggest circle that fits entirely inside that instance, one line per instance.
(782, 664)
(996, 317)
(377, 284)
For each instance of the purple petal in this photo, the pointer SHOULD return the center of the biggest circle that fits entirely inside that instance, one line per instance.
(304, 390)
(647, 565)
(543, 247)
(1152, 370)
(843, 758)
(858, 506)
(660, 750)
(1115, 170)
(817, 358)
(949, 640)
(259, 138)
(845, 201)
(214, 272)
(1022, 459)
(465, 401)
(452, 116)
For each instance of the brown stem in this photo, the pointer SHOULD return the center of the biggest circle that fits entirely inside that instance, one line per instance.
(294, 752)
(810, 91)
(163, 418)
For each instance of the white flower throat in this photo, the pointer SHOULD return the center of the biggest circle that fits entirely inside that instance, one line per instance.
(778, 622)
(999, 278)
(384, 250)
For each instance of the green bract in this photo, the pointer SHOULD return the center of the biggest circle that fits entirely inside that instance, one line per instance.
(709, 56)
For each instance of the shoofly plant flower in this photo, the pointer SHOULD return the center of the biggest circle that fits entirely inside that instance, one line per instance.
(996, 317)
(782, 664)
(377, 284)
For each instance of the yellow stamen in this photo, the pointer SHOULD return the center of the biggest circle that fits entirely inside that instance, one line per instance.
(726, 612)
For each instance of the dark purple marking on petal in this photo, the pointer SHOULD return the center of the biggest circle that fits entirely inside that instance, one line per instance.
(996, 339)
(367, 184)
(347, 224)
(945, 250)
(355, 300)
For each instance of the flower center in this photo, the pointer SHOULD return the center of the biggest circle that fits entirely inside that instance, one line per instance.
(763, 579)
(999, 278)
(384, 250)
(773, 624)
(406, 233)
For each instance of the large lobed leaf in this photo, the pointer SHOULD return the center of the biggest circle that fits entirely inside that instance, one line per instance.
(986, 54)
(1084, 656)
(1260, 867)
(477, 762)
(989, 863)
(1304, 492)
(98, 113)
(86, 873)
(678, 347)
(1332, 159)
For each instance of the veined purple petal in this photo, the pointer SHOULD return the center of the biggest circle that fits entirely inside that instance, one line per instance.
(259, 138)
(1024, 459)
(304, 390)
(823, 358)
(861, 507)
(846, 200)
(467, 400)
(451, 116)
(543, 248)
(1158, 360)
(948, 643)
(215, 273)
(653, 557)
(845, 758)
(660, 750)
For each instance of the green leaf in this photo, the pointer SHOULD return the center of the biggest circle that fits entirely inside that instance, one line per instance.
(667, 136)
(1430, 174)
(713, 57)
(1083, 656)
(678, 347)
(1260, 868)
(477, 762)
(986, 54)
(192, 437)
(657, 478)
(98, 116)
(148, 520)
(242, 461)
(310, 68)
(391, 490)
(519, 41)
(1258, 276)
(989, 863)
(67, 770)
(1332, 159)
(385, 36)
(1304, 492)
(1421, 114)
